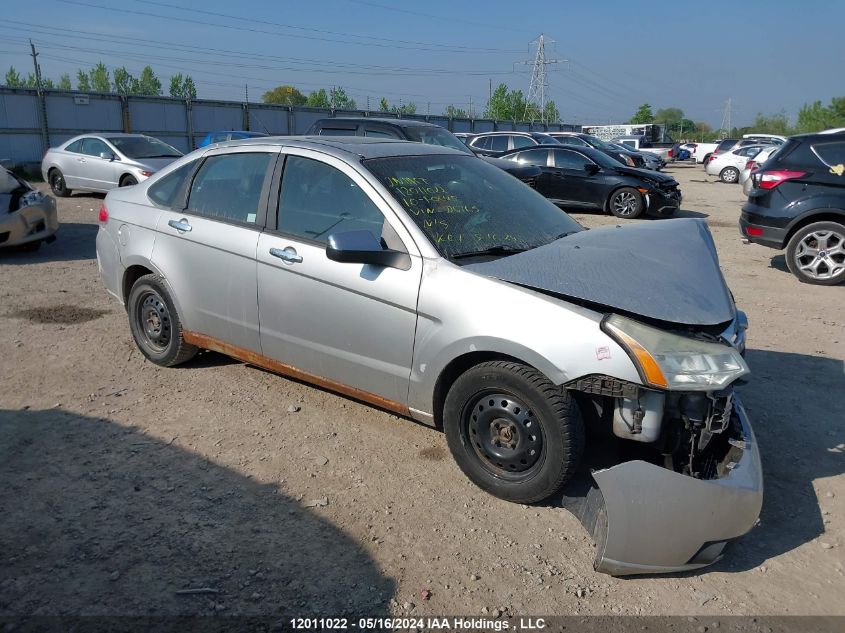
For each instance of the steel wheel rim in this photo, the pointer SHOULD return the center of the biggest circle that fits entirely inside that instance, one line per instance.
(821, 255)
(504, 434)
(153, 320)
(625, 203)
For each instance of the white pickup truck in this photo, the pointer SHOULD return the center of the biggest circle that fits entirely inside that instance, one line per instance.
(666, 151)
(703, 150)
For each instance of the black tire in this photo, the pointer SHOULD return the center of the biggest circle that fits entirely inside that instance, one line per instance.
(31, 247)
(729, 175)
(57, 183)
(827, 267)
(493, 444)
(128, 181)
(155, 324)
(626, 202)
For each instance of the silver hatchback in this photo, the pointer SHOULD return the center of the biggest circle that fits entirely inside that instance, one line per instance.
(101, 162)
(424, 281)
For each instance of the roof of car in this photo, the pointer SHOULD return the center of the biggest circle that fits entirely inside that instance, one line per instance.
(362, 146)
(373, 119)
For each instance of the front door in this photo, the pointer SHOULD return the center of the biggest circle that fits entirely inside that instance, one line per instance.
(98, 173)
(207, 251)
(345, 325)
(571, 183)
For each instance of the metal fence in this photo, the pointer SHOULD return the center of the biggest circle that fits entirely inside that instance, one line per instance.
(30, 123)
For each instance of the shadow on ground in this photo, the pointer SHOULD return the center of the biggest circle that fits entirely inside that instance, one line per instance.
(74, 241)
(101, 519)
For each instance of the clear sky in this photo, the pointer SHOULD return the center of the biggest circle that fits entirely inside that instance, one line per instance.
(767, 56)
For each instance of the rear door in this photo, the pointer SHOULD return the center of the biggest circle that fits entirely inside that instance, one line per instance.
(206, 251)
(71, 164)
(342, 325)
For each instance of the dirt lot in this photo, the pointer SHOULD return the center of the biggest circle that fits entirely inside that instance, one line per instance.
(124, 483)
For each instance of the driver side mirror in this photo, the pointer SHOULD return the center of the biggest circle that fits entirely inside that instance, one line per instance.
(362, 247)
(107, 156)
(591, 168)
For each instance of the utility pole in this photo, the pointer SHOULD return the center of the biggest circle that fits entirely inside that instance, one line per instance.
(539, 78)
(489, 89)
(471, 116)
(39, 88)
(246, 93)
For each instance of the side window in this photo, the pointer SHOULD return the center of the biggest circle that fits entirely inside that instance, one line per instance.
(93, 147)
(533, 157)
(482, 143)
(317, 200)
(75, 147)
(574, 140)
(522, 141)
(499, 143)
(380, 134)
(165, 190)
(228, 187)
(335, 131)
(564, 159)
(831, 154)
(218, 138)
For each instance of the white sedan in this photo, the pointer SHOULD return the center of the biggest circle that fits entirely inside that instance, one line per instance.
(728, 166)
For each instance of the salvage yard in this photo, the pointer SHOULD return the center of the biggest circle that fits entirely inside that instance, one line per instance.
(216, 487)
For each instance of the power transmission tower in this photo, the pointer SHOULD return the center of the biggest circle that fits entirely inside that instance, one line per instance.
(726, 117)
(539, 77)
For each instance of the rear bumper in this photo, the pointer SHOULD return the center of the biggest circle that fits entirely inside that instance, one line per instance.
(647, 519)
(759, 230)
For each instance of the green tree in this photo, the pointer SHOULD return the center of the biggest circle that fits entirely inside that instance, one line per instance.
(643, 114)
(339, 100)
(123, 81)
(551, 114)
(30, 81)
(189, 88)
(83, 81)
(407, 108)
(670, 117)
(498, 107)
(284, 95)
(100, 81)
(147, 83)
(13, 78)
(815, 117)
(455, 113)
(318, 99)
(383, 105)
(47, 83)
(64, 82)
(175, 85)
(182, 87)
(771, 124)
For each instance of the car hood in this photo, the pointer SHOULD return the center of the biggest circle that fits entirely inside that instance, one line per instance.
(654, 176)
(666, 270)
(154, 164)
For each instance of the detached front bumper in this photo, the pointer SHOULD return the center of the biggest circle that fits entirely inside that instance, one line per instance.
(649, 520)
(662, 203)
(31, 223)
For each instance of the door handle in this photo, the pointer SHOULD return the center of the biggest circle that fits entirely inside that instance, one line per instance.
(287, 254)
(180, 225)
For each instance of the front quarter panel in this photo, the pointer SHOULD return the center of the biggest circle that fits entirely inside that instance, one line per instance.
(464, 313)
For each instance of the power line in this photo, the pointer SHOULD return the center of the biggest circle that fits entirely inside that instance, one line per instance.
(392, 44)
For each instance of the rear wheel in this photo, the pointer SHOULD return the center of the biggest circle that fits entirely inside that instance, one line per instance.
(128, 181)
(816, 253)
(729, 175)
(155, 324)
(512, 432)
(626, 203)
(57, 183)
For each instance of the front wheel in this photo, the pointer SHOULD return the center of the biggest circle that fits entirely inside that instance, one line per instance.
(729, 175)
(816, 254)
(626, 203)
(155, 324)
(512, 432)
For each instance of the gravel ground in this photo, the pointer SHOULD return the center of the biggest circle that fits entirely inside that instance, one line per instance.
(124, 483)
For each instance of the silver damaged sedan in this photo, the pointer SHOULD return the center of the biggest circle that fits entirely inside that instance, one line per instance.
(591, 369)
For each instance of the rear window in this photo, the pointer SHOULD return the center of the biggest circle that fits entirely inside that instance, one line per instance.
(831, 154)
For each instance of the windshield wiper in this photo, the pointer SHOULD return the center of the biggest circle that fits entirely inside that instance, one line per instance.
(493, 250)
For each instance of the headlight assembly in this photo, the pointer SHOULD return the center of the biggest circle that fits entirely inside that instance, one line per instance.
(670, 361)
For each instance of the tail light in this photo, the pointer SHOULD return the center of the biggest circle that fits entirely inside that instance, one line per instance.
(754, 231)
(751, 165)
(771, 179)
(146, 174)
(104, 214)
(671, 153)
